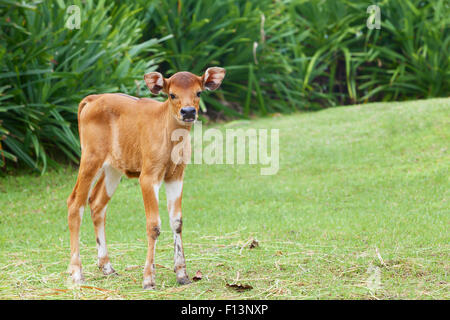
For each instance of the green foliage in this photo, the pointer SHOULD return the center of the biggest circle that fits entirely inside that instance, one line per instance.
(47, 69)
(309, 54)
(280, 56)
(331, 57)
(206, 34)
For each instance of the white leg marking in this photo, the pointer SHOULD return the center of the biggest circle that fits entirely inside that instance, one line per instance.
(156, 190)
(77, 277)
(179, 254)
(112, 179)
(81, 213)
(101, 244)
(97, 175)
(107, 268)
(173, 191)
(102, 252)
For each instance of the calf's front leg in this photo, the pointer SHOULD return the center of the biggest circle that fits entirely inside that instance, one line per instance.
(150, 190)
(174, 191)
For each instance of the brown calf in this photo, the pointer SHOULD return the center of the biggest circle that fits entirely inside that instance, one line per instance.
(120, 134)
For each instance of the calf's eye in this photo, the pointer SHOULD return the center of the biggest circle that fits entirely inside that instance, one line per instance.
(172, 96)
(199, 94)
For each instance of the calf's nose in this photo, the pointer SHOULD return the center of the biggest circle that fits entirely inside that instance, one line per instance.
(188, 112)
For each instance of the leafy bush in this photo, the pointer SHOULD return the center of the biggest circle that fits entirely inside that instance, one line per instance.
(210, 34)
(47, 69)
(327, 55)
(309, 54)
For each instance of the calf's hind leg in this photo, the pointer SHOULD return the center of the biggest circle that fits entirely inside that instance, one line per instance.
(75, 205)
(98, 201)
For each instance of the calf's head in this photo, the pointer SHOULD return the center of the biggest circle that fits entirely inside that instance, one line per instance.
(184, 90)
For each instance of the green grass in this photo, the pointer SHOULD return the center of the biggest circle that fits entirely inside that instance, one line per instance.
(353, 181)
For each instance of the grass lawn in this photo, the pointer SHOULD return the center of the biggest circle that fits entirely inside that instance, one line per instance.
(358, 210)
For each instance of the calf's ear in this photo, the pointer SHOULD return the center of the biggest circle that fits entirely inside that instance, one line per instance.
(155, 82)
(213, 78)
